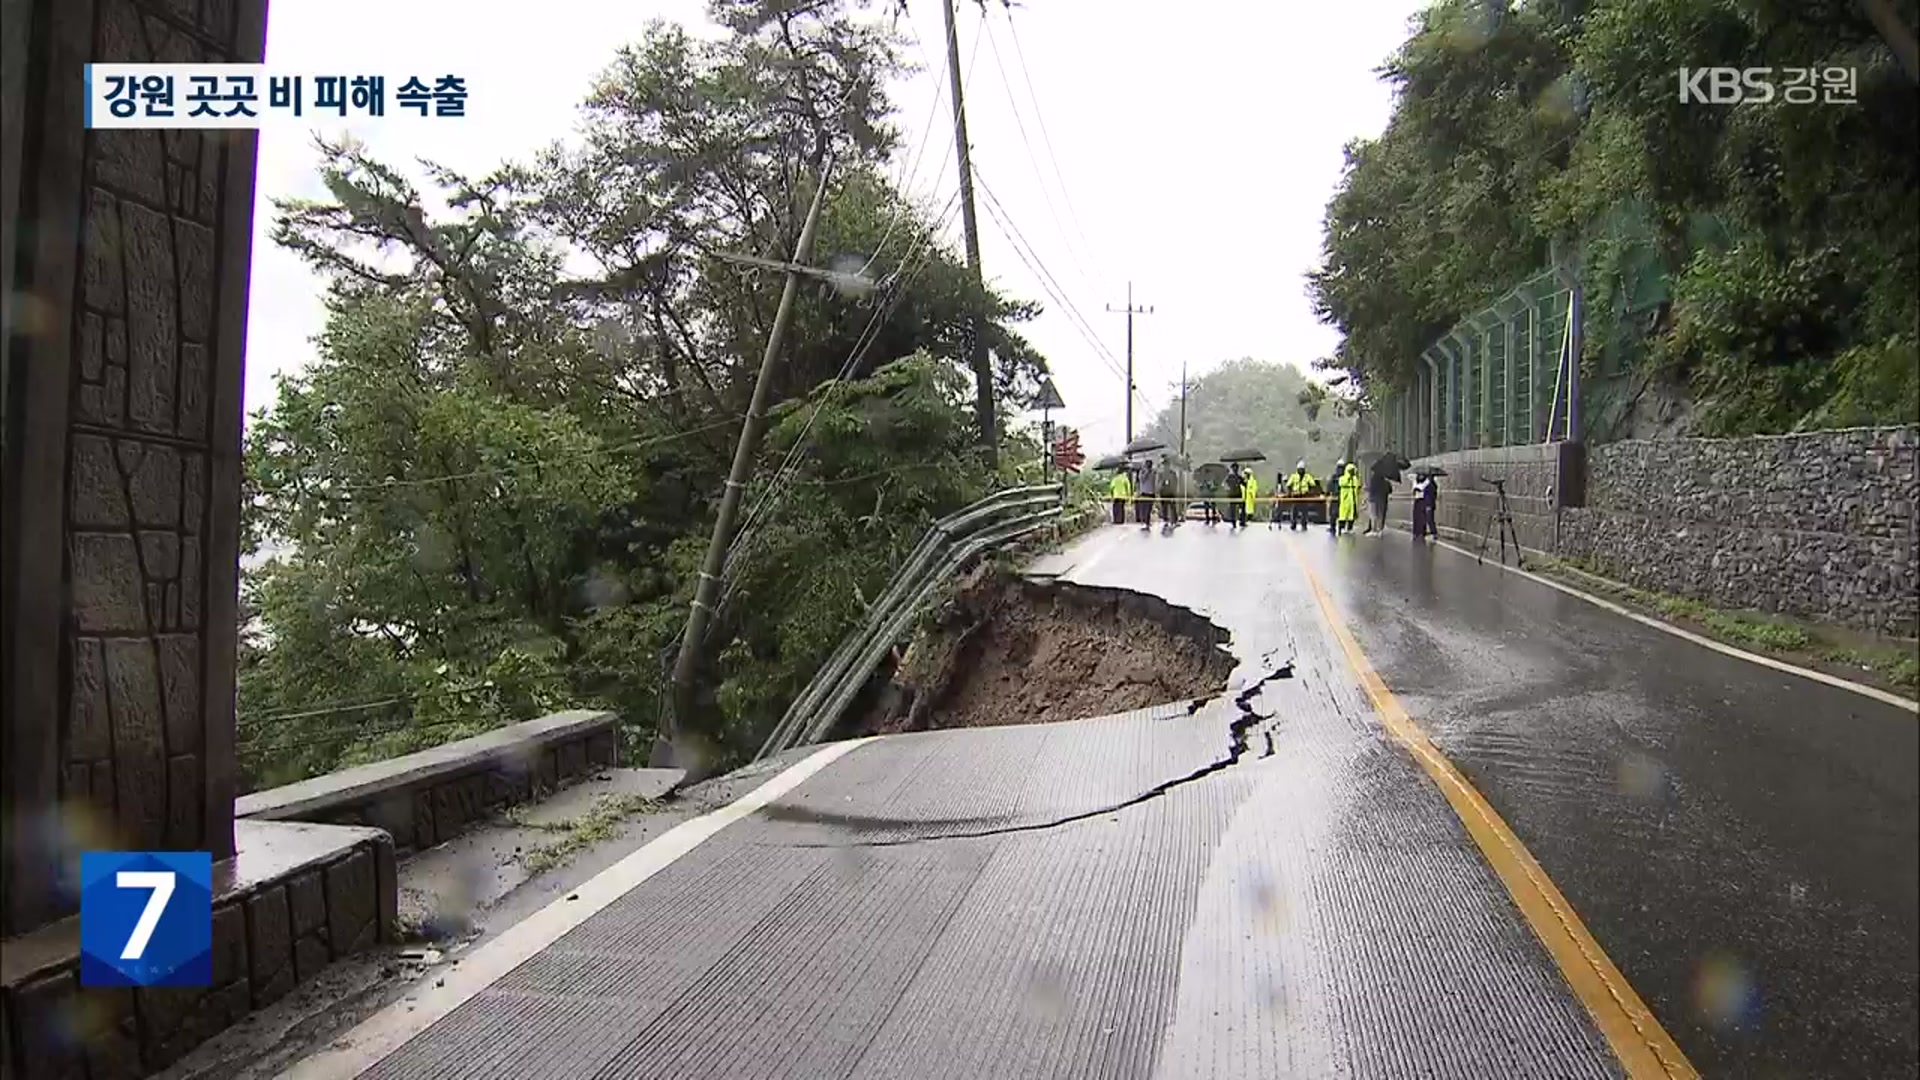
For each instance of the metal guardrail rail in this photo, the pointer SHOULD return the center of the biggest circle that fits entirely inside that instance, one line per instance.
(993, 521)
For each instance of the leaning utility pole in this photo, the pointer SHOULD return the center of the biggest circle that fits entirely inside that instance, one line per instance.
(1130, 312)
(686, 665)
(976, 340)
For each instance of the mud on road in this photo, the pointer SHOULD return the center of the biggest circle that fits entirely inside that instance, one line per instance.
(1005, 650)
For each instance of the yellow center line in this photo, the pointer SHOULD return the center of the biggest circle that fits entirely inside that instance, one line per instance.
(1636, 1036)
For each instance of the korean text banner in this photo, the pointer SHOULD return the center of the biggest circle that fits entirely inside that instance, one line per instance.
(263, 95)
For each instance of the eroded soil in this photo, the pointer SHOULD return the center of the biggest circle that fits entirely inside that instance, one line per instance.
(1004, 650)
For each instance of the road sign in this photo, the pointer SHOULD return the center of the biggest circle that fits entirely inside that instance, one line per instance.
(1066, 452)
(146, 918)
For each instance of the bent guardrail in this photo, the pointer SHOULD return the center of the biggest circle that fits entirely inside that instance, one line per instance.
(993, 521)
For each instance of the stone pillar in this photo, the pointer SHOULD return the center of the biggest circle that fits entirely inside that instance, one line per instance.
(126, 266)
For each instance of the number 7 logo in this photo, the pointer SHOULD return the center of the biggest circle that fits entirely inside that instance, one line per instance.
(146, 918)
(161, 882)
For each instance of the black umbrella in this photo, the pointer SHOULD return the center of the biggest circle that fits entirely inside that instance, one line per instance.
(1211, 473)
(1144, 445)
(1428, 472)
(1110, 464)
(1243, 455)
(1390, 465)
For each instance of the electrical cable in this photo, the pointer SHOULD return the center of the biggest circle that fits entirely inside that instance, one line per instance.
(1032, 158)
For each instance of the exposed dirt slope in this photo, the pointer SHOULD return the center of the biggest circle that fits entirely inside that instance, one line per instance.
(1003, 650)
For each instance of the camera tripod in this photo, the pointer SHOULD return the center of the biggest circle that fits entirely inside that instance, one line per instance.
(1502, 520)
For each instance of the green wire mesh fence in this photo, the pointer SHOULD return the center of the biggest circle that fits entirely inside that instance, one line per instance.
(1501, 377)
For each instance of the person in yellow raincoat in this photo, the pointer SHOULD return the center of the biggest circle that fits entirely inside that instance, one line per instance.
(1299, 486)
(1349, 496)
(1250, 494)
(1120, 489)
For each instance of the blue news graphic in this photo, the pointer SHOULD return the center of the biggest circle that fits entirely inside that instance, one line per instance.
(146, 918)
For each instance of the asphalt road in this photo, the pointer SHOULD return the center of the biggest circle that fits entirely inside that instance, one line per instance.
(1262, 885)
(1741, 840)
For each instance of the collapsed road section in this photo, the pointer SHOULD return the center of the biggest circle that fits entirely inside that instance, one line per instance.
(1005, 650)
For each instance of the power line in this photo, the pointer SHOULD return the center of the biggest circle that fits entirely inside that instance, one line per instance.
(933, 108)
(1040, 117)
(774, 490)
(1050, 284)
(1033, 159)
(940, 94)
(390, 483)
(367, 705)
(1016, 235)
(882, 310)
(994, 210)
(923, 250)
(365, 734)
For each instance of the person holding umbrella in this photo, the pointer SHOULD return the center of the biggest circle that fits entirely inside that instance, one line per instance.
(1236, 496)
(1381, 477)
(1426, 495)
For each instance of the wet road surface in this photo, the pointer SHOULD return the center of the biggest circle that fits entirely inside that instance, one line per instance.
(1263, 885)
(1742, 841)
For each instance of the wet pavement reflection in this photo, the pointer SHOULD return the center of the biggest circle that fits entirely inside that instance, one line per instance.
(1742, 841)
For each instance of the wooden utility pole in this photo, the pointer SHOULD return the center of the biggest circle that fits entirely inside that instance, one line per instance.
(1183, 410)
(686, 665)
(976, 339)
(1896, 34)
(1130, 311)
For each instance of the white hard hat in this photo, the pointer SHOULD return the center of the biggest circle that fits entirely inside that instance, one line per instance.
(1301, 465)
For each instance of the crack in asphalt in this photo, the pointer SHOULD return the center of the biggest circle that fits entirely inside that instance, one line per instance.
(1238, 749)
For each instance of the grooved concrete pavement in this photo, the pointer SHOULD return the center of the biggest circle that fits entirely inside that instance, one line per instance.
(1262, 885)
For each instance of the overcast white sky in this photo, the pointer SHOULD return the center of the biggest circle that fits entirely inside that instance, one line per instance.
(1198, 144)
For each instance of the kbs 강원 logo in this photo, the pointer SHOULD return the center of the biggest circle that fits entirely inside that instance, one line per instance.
(146, 918)
(1762, 85)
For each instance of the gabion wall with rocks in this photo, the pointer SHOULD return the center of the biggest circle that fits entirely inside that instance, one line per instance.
(1820, 525)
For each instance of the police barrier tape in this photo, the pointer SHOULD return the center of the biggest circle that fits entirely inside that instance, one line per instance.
(993, 521)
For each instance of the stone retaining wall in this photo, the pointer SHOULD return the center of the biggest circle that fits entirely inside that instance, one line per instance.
(429, 797)
(313, 879)
(1821, 525)
(1818, 525)
(1539, 479)
(314, 894)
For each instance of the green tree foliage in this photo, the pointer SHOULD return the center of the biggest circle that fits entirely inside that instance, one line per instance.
(487, 496)
(1765, 254)
(1251, 404)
